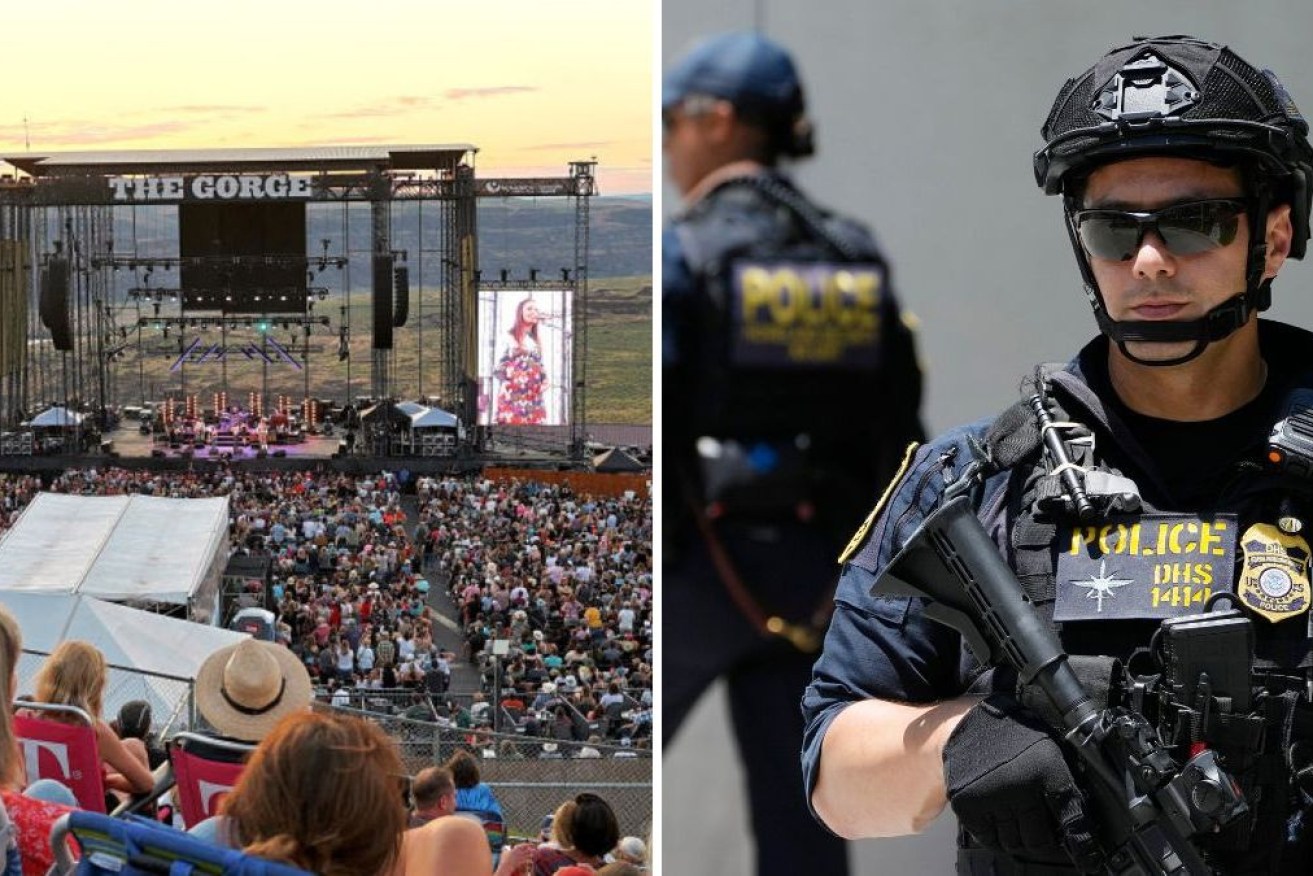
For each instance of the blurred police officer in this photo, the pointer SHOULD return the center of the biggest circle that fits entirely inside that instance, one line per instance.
(1184, 173)
(790, 391)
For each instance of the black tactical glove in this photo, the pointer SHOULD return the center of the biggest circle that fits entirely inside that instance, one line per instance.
(1012, 789)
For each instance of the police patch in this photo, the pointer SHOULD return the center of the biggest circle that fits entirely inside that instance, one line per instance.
(790, 315)
(1147, 566)
(1274, 579)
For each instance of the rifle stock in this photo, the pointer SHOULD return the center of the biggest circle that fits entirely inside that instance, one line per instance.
(1148, 804)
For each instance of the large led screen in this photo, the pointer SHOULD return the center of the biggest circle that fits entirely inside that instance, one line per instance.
(525, 369)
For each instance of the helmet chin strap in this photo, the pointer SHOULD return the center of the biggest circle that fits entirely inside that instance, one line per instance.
(1216, 324)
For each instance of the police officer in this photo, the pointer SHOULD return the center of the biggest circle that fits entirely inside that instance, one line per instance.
(779, 323)
(1184, 176)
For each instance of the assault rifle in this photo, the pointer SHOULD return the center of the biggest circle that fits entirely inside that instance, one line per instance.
(1147, 804)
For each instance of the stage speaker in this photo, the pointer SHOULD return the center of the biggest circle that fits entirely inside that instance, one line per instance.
(382, 302)
(157, 452)
(280, 453)
(401, 284)
(53, 306)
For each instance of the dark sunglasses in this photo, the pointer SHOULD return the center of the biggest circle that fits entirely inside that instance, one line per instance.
(1186, 229)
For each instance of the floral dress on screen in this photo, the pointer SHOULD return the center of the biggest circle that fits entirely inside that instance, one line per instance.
(523, 384)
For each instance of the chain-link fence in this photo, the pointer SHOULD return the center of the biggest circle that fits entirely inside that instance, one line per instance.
(394, 700)
(171, 697)
(532, 775)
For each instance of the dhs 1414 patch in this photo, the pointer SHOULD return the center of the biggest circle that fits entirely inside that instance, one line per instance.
(1150, 566)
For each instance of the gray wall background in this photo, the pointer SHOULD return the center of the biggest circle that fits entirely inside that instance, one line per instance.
(927, 115)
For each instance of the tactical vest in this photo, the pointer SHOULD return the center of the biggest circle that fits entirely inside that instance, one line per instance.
(1106, 583)
(792, 317)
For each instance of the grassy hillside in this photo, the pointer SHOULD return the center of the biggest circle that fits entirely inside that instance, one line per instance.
(620, 350)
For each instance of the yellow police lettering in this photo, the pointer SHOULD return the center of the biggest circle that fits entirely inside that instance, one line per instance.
(1179, 596)
(845, 298)
(1183, 573)
(1175, 538)
(756, 290)
(1107, 530)
(840, 289)
(1110, 539)
(1209, 541)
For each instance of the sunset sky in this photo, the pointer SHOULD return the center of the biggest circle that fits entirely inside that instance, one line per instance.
(533, 84)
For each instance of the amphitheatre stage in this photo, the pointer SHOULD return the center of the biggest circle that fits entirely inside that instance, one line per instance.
(260, 305)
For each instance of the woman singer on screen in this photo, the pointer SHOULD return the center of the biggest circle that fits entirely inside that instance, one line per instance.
(523, 379)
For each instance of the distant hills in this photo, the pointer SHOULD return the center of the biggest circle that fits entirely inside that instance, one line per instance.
(514, 233)
(520, 233)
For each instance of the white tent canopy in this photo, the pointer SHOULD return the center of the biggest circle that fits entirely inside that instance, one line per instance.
(56, 416)
(432, 418)
(119, 548)
(128, 637)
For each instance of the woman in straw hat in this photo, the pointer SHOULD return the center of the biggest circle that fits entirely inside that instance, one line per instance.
(242, 691)
(245, 689)
(322, 792)
(74, 675)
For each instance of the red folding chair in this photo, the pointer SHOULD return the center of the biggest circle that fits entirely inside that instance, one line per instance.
(67, 753)
(205, 769)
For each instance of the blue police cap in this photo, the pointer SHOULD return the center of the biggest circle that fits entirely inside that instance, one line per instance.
(746, 69)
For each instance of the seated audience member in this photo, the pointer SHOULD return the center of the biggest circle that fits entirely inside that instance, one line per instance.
(585, 833)
(74, 675)
(545, 829)
(320, 793)
(472, 795)
(632, 850)
(435, 795)
(244, 690)
(32, 818)
(134, 722)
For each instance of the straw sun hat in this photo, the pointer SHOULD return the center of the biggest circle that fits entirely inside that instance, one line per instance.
(243, 690)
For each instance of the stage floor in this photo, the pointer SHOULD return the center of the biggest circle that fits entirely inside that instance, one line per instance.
(128, 442)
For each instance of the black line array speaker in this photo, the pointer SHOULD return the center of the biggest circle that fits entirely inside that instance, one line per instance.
(382, 302)
(53, 306)
(401, 282)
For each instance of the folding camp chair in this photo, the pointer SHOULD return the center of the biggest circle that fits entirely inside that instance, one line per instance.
(67, 753)
(203, 779)
(134, 846)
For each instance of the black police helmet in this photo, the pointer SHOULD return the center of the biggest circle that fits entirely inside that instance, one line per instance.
(756, 75)
(1177, 95)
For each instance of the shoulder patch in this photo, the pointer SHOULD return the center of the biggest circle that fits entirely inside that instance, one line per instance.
(859, 537)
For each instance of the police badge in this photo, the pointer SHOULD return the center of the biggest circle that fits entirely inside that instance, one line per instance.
(1274, 580)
